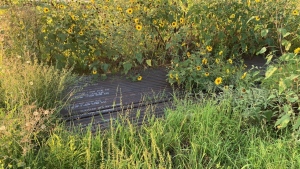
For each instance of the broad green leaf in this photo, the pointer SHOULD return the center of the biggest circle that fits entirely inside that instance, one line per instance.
(148, 61)
(127, 66)
(269, 58)
(283, 121)
(262, 50)
(168, 45)
(284, 32)
(270, 71)
(264, 32)
(286, 56)
(139, 57)
(282, 86)
(104, 67)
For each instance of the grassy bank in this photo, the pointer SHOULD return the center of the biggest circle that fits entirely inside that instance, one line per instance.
(200, 134)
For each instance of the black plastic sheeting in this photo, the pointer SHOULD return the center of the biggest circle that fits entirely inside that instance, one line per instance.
(100, 102)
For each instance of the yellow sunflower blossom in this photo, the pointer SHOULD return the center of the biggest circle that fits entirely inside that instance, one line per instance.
(229, 61)
(198, 68)
(139, 78)
(221, 53)
(176, 77)
(174, 24)
(206, 74)
(257, 18)
(209, 48)
(188, 54)
(171, 76)
(94, 72)
(46, 10)
(70, 31)
(204, 61)
(181, 20)
(295, 12)
(129, 11)
(218, 81)
(297, 50)
(217, 61)
(80, 33)
(136, 20)
(138, 27)
(257, 1)
(232, 16)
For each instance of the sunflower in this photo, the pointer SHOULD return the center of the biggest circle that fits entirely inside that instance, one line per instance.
(295, 12)
(129, 11)
(204, 61)
(181, 20)
(70, 31)
(217, 61)
(80, 33)
(46, 10)
(218, 80)
(188, 54)
(198, 68)
(136, 20)
(221, 53)
(257, 1)
(209, 48)
(94, 72)
(139, 78)
(176, 77)
(206, 74)
(138, 27)
(297, 51)
(174, 24)
(61, 6)
(232, 16)
(257, 18)
(171, 76)
(229, 61)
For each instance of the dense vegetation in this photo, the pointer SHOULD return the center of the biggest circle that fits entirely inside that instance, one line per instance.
(244, 119)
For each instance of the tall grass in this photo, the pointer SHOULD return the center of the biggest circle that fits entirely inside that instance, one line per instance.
(30, 97)
(199, 134)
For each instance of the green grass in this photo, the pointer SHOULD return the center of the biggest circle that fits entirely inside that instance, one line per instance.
(202, 134)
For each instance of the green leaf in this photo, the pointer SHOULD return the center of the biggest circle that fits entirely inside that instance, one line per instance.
(148, 61)
(250, 19)
(262, 50)
(286, 56)
(282, 86)
(127, 66)
(283, 121)
(264, 32)
(269, 58)
(105, 67)
(270, 71)
(168, 45)
(284, 32)
(139, 57)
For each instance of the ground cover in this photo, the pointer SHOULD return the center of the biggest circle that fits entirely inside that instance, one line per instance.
(42, 45)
